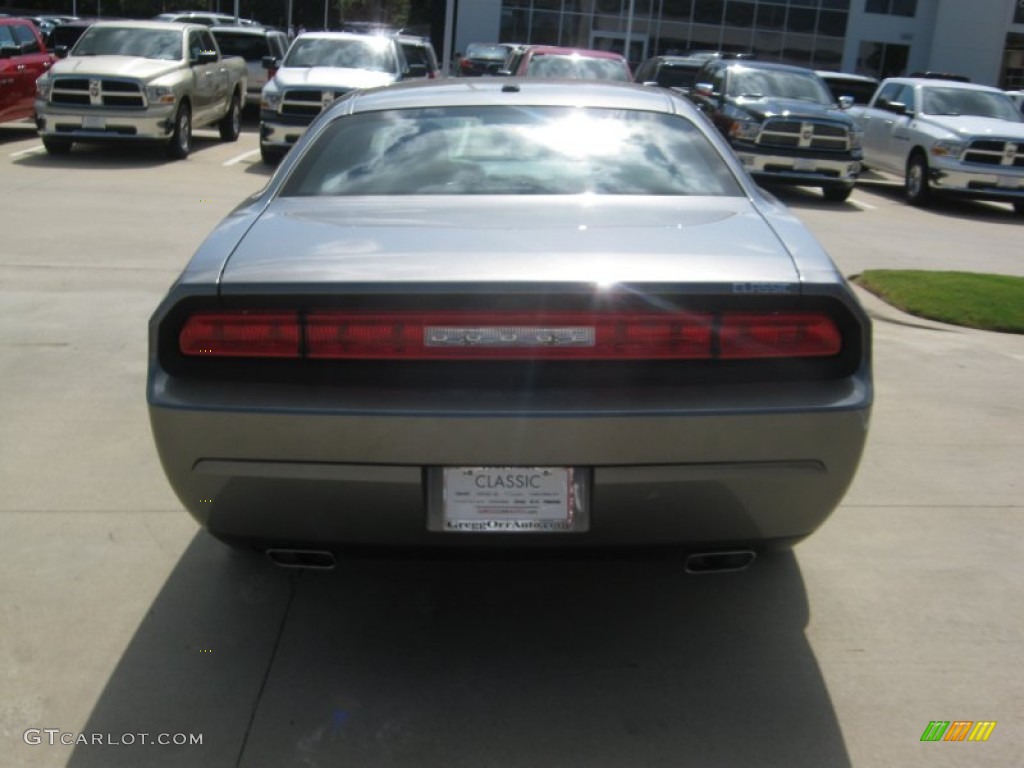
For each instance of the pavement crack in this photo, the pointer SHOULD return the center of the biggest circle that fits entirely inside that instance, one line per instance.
(292, 586)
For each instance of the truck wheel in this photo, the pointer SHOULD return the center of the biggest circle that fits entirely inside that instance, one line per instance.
(269, 155)
(56, 146)
(916, 186)
(181, 140)
(231, 124)
(836, 194)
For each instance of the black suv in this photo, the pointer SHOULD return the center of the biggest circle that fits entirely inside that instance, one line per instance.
(676, 72)
(782, 123)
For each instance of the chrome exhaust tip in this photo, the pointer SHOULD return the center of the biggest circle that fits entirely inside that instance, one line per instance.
(314, 559)
(719, 562)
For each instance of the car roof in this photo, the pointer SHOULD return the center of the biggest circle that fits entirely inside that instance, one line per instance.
(552, 50)
(247, 29)
(675, 60)
(150, 24)
(937, 82)
(512, 91)
(848, 76)
(754, 64)
(342, 36)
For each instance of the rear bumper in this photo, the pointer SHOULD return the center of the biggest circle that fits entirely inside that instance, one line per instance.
(309, 475)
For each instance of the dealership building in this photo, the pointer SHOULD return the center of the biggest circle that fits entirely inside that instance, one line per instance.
(981, 39)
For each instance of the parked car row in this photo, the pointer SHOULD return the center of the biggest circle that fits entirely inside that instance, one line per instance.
(939, 134)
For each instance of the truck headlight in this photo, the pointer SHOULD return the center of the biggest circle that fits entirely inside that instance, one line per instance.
(270, 100)
(43, 86)
(951, 149)
(158, 94)
(745, 130)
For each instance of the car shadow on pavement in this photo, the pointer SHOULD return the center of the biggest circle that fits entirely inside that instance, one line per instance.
(807, 197)
(114, 154)
(946, 206)
(470, 663)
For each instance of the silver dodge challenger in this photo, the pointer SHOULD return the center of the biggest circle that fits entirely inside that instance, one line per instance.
(510, 314)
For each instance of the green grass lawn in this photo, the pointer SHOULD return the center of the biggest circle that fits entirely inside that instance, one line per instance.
(988, 302)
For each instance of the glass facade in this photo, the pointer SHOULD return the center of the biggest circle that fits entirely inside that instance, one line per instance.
(809, 33)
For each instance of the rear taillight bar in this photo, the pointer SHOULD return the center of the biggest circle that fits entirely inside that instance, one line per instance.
(403, 335)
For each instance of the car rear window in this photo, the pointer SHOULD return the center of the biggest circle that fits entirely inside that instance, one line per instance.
(371, 54)
(511, 151)
(249, 47)
(962, 101)
(130, 41)
(577, 68)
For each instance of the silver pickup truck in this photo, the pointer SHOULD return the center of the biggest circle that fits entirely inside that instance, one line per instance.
(140, 81)
(320, 67)
(945, 137)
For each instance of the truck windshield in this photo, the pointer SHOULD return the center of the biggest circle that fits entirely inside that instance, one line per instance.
(962, 101)
(779, 84)
(372, 55)
(130, 41)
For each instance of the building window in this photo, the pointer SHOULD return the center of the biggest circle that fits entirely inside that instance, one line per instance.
(709, 12)
(882, 59)
(891, 7)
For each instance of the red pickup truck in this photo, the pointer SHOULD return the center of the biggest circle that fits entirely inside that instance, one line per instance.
(23, 58)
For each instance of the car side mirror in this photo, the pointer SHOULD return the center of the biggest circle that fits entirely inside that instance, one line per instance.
(208, 57)
(270, 62)
(60, 51)
(416, 70)
(9, 51)
(706, 91)
(845, 102)
(650, 83)
(896, 107)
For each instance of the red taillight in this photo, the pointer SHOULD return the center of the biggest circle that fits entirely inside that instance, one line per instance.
(508, 336)
(799, 334)
(241, 334)
(403, 335)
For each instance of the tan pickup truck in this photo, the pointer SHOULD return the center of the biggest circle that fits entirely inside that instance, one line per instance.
(140, 81)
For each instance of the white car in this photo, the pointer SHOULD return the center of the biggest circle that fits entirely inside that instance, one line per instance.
(946, 137)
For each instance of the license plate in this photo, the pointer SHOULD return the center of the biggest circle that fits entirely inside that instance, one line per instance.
(508, 500)
(94, 123)
(1006, 182)
(803, 165)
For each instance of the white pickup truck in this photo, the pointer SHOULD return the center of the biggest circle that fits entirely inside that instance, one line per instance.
(321, 67)
(945, 137)
(140, 81)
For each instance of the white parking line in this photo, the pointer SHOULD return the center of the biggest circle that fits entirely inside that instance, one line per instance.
(242, 157)
(863, 206)
(30, 151)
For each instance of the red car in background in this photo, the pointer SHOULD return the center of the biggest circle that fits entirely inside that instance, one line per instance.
(23, 58)
(571, 63)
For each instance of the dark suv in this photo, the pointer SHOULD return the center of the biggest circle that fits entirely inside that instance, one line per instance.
(676, 72)
(782, 123)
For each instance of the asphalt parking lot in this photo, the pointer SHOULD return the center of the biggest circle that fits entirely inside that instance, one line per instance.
(119, 619)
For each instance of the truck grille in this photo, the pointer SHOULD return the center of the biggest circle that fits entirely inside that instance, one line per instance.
(1005, 152)
(96, 92)
(804, 134)
(306, 102)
